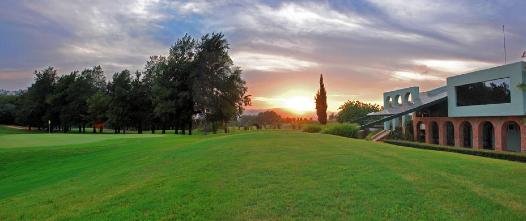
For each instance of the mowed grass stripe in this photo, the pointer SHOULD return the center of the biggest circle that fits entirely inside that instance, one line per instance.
(260, 175)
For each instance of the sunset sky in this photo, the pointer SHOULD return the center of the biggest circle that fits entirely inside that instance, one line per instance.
(361, 47)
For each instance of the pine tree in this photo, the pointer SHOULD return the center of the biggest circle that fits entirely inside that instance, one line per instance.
(321, 103)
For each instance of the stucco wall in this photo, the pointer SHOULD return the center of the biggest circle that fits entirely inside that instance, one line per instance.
(514, 71)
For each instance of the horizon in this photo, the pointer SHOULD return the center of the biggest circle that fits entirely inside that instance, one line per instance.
(362, 48)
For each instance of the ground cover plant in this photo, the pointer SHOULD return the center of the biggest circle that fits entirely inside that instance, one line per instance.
(258, 175)
(344, 130)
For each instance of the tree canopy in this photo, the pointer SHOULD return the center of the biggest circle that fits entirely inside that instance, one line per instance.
(351, 111)
(196, 82)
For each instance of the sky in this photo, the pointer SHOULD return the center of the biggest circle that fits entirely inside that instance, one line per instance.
(362, 47)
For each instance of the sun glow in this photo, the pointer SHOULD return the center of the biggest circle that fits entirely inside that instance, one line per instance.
(298, 104)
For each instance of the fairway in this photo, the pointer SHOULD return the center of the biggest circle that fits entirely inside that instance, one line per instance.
(274, 175)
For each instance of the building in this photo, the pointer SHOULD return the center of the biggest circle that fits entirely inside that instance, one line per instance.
(484, 109)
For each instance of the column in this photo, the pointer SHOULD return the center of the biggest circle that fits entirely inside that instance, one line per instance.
(429, 137)
(497, 127)
(457, 128)
(475, 124)
(442, 138)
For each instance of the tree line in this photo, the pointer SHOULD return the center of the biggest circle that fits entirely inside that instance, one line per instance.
(197, 83)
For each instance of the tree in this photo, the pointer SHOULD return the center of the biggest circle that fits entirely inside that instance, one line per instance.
(34, 106)
(321, 103)
(351, 111)
(154, 68)
(62, 107)
(197, 80)
(119, 90)
(180, 67)
(218, 90)
(140, 105)
(8, 107)
(269, 118)
(97, 110)
(90, 82)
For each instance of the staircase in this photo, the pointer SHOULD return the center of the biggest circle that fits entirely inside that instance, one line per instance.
(380, 135)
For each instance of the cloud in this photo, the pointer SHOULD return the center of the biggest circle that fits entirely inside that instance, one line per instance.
(412, 76)
(362, 47)
(191, 7)
(116, 34)
(15, 75)
(269, 62)
(453, 66)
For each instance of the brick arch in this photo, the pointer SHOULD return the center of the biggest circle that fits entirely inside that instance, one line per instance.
(506, 130)
(418, 135)
(464, 127)
(447, 137)
(434, 130)
(486, 135)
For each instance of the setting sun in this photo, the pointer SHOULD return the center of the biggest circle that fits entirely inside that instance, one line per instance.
(298, 104)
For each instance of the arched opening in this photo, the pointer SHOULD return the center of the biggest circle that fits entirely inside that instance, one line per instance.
(488, 136)
(434, 133)
(450, 134)
(398, 100)
(388, 102)
(421, 132)
(408, 98)
(466, 134)
(512, 136)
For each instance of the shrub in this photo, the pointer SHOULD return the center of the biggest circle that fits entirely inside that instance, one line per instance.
(312, 128)
(344, 130)
(477, 152)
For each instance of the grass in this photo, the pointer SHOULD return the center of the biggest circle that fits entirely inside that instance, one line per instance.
(271, 175)
(5, 130)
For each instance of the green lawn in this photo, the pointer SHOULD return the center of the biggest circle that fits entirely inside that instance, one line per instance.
(4, 130)
(274, 175)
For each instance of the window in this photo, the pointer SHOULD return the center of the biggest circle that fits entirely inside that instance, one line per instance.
(487, 92)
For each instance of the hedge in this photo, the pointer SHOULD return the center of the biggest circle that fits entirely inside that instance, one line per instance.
(513, 156)
(344, 130)
(312, 128)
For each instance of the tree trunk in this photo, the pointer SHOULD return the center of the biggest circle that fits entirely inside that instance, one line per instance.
(101, 129)
(190, 127)
(83, 128)
(80, 128)
(94, 129)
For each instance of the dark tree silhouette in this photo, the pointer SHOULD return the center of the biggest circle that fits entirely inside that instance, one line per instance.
(196, 82)
(321, 103)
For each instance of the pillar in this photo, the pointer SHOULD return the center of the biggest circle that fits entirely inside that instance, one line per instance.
(442, 132)
(475, 125)
(497, 129)
(457, 128)
(429, 137)
(523, 137)
(415, 129)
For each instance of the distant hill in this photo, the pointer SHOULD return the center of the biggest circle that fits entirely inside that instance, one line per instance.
(284, 113)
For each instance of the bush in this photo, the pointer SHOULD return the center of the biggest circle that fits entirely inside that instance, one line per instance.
(344, 130)
(477, 152)
(312, 128)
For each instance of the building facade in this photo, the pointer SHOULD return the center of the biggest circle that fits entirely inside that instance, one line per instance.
(484, 109)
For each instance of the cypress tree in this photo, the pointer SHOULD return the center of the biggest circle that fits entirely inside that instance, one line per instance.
(321, 103)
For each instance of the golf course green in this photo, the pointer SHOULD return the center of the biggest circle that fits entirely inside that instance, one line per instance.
(264, 175)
